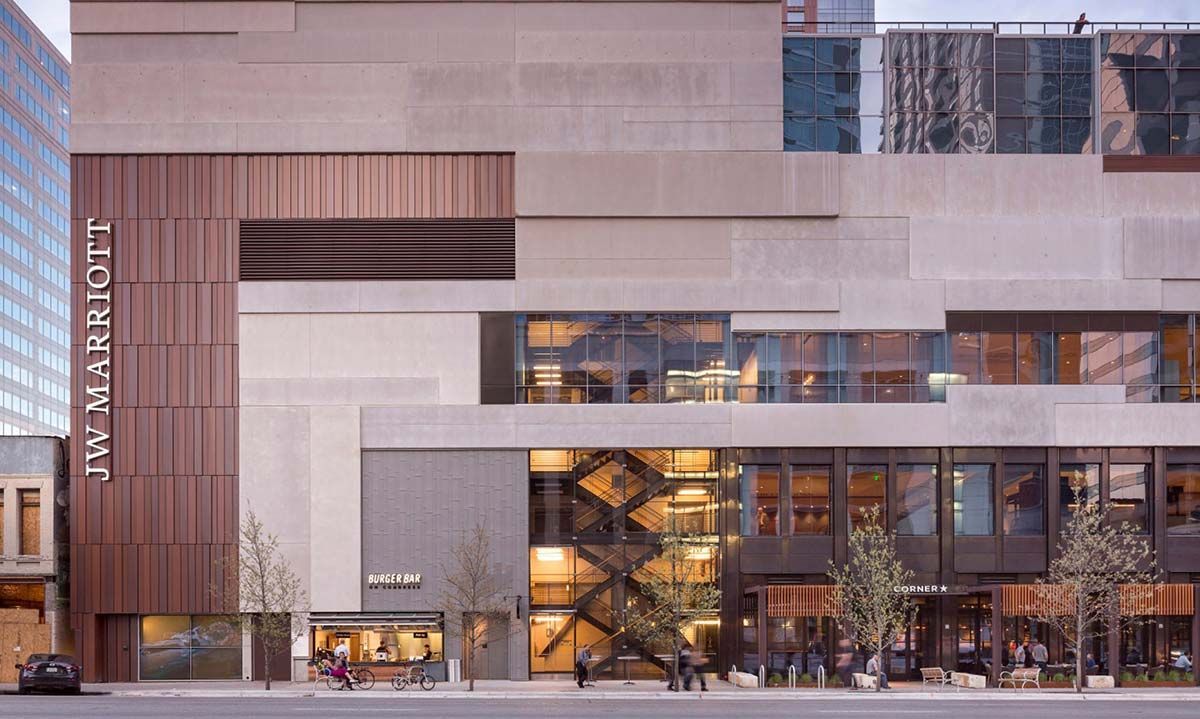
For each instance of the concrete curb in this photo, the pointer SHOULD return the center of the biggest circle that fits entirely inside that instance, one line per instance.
(746, 695)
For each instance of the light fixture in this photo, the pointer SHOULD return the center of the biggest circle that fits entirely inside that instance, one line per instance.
(707, 622)
(699, 553)
(549, 554)
(692, 492)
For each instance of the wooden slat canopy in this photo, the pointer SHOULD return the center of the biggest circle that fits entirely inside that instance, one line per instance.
(1022, 600)
(802, 600)
(1157, 599)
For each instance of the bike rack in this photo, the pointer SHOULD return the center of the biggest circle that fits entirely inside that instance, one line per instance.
(791, 676)
(821, 677)
(762, 676)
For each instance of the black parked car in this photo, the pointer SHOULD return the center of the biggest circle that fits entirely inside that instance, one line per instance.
(48, 672)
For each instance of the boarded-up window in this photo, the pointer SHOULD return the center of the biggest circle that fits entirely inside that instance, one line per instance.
(31, 522)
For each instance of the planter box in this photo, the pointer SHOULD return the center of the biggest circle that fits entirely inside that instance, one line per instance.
(1100, 681)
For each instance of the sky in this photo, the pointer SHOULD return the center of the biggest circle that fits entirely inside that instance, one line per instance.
(53, 16)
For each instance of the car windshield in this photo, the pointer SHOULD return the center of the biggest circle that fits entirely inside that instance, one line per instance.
(65, 658)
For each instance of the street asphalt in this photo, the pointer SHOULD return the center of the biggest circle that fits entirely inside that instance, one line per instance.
(134, 707)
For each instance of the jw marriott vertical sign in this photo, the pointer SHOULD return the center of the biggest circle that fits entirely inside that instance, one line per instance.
(98, 347)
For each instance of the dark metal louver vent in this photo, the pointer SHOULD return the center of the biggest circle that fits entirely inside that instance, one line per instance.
(392, 249)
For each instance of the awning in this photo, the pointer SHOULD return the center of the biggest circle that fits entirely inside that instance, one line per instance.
(802, 600)
(1020, 600)
(375, 619)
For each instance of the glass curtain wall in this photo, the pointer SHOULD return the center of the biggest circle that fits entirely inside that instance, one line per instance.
(1150, 93)
(1044, 95)
(1183, 500)
(941, 88)
(647, 358)
(597, 518)
(833, 94)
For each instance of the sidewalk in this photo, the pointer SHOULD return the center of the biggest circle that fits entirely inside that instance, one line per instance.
(617, 690)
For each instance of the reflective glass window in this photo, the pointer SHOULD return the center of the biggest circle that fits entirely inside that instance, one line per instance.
(1044, 135)
(1024, 492)
(1185, 134)
(810, 499)
(1175, 364)
(866, 488)
(1076, 483)
(1183, 499)
(1103, 351)
(821, 358)
(1043, 54)
(760, 500)
(1010, 54)
(892, 364)
(916, 499)
(965, 357)
(928, 351)
(999, 358)
(1069, 365)
(1035, 356)
(858, 358)
(1128, 487)
(973, 500)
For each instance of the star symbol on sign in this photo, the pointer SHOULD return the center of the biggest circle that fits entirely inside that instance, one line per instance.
(943, 588)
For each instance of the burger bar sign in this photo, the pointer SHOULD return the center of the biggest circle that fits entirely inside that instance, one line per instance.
(98, 349)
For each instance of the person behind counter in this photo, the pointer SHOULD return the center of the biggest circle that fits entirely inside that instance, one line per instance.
(381, 652)
(428, 653)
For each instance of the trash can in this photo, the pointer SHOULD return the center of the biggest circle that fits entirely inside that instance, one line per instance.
(454, 670)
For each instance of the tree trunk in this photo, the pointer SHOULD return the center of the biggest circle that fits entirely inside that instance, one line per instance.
(266, 666)
(1080, 660)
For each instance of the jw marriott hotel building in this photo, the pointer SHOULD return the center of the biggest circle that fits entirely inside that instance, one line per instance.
(581, 271)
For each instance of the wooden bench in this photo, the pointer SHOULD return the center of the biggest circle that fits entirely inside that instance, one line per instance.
(935, 675)
(864, 681)
(1020, 677)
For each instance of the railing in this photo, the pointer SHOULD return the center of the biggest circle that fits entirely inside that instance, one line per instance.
(793, 22)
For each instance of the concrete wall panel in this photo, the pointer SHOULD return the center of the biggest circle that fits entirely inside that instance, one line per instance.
(1015, 247)
(335, 508)
(876, 304)
(1016, 416)
(820, 259)
(841, 425)
(1162, 247)
(686, 184)
(1125, 425)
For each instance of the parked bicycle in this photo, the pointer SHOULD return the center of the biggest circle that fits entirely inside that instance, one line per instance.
(415, 675)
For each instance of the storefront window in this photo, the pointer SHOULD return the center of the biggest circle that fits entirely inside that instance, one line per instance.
(810, 499)
(866, 489)
(1183, 499)
(551, 576)
(371, 643)
(760, 500)
(1076, 483)
(973, 500)
(1024, 493)
(916, 499)
(186, 647)
(1127, 490)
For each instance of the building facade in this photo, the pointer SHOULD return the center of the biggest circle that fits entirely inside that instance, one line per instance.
(386, 272)
(34, 548)
(35, 175)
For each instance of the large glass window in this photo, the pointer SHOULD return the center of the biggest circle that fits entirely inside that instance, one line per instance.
(1175, 364)
(942, 92)
(973, 500)
(866, 488)
(833, 94)
(1148, 97)
(185, 647)
(916, 499)
(1024, 492)
(1183, 499)
(1128, 488)
(1076, 483)
(760, 500)
(636, 358)
(810, 499)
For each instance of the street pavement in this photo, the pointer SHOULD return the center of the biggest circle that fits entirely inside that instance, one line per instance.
(587, 706)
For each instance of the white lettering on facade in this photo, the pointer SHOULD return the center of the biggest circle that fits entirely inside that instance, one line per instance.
(97, 346)
(920, 589)
(401, 580)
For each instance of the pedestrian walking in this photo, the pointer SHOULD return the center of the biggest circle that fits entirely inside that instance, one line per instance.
(581, 669)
